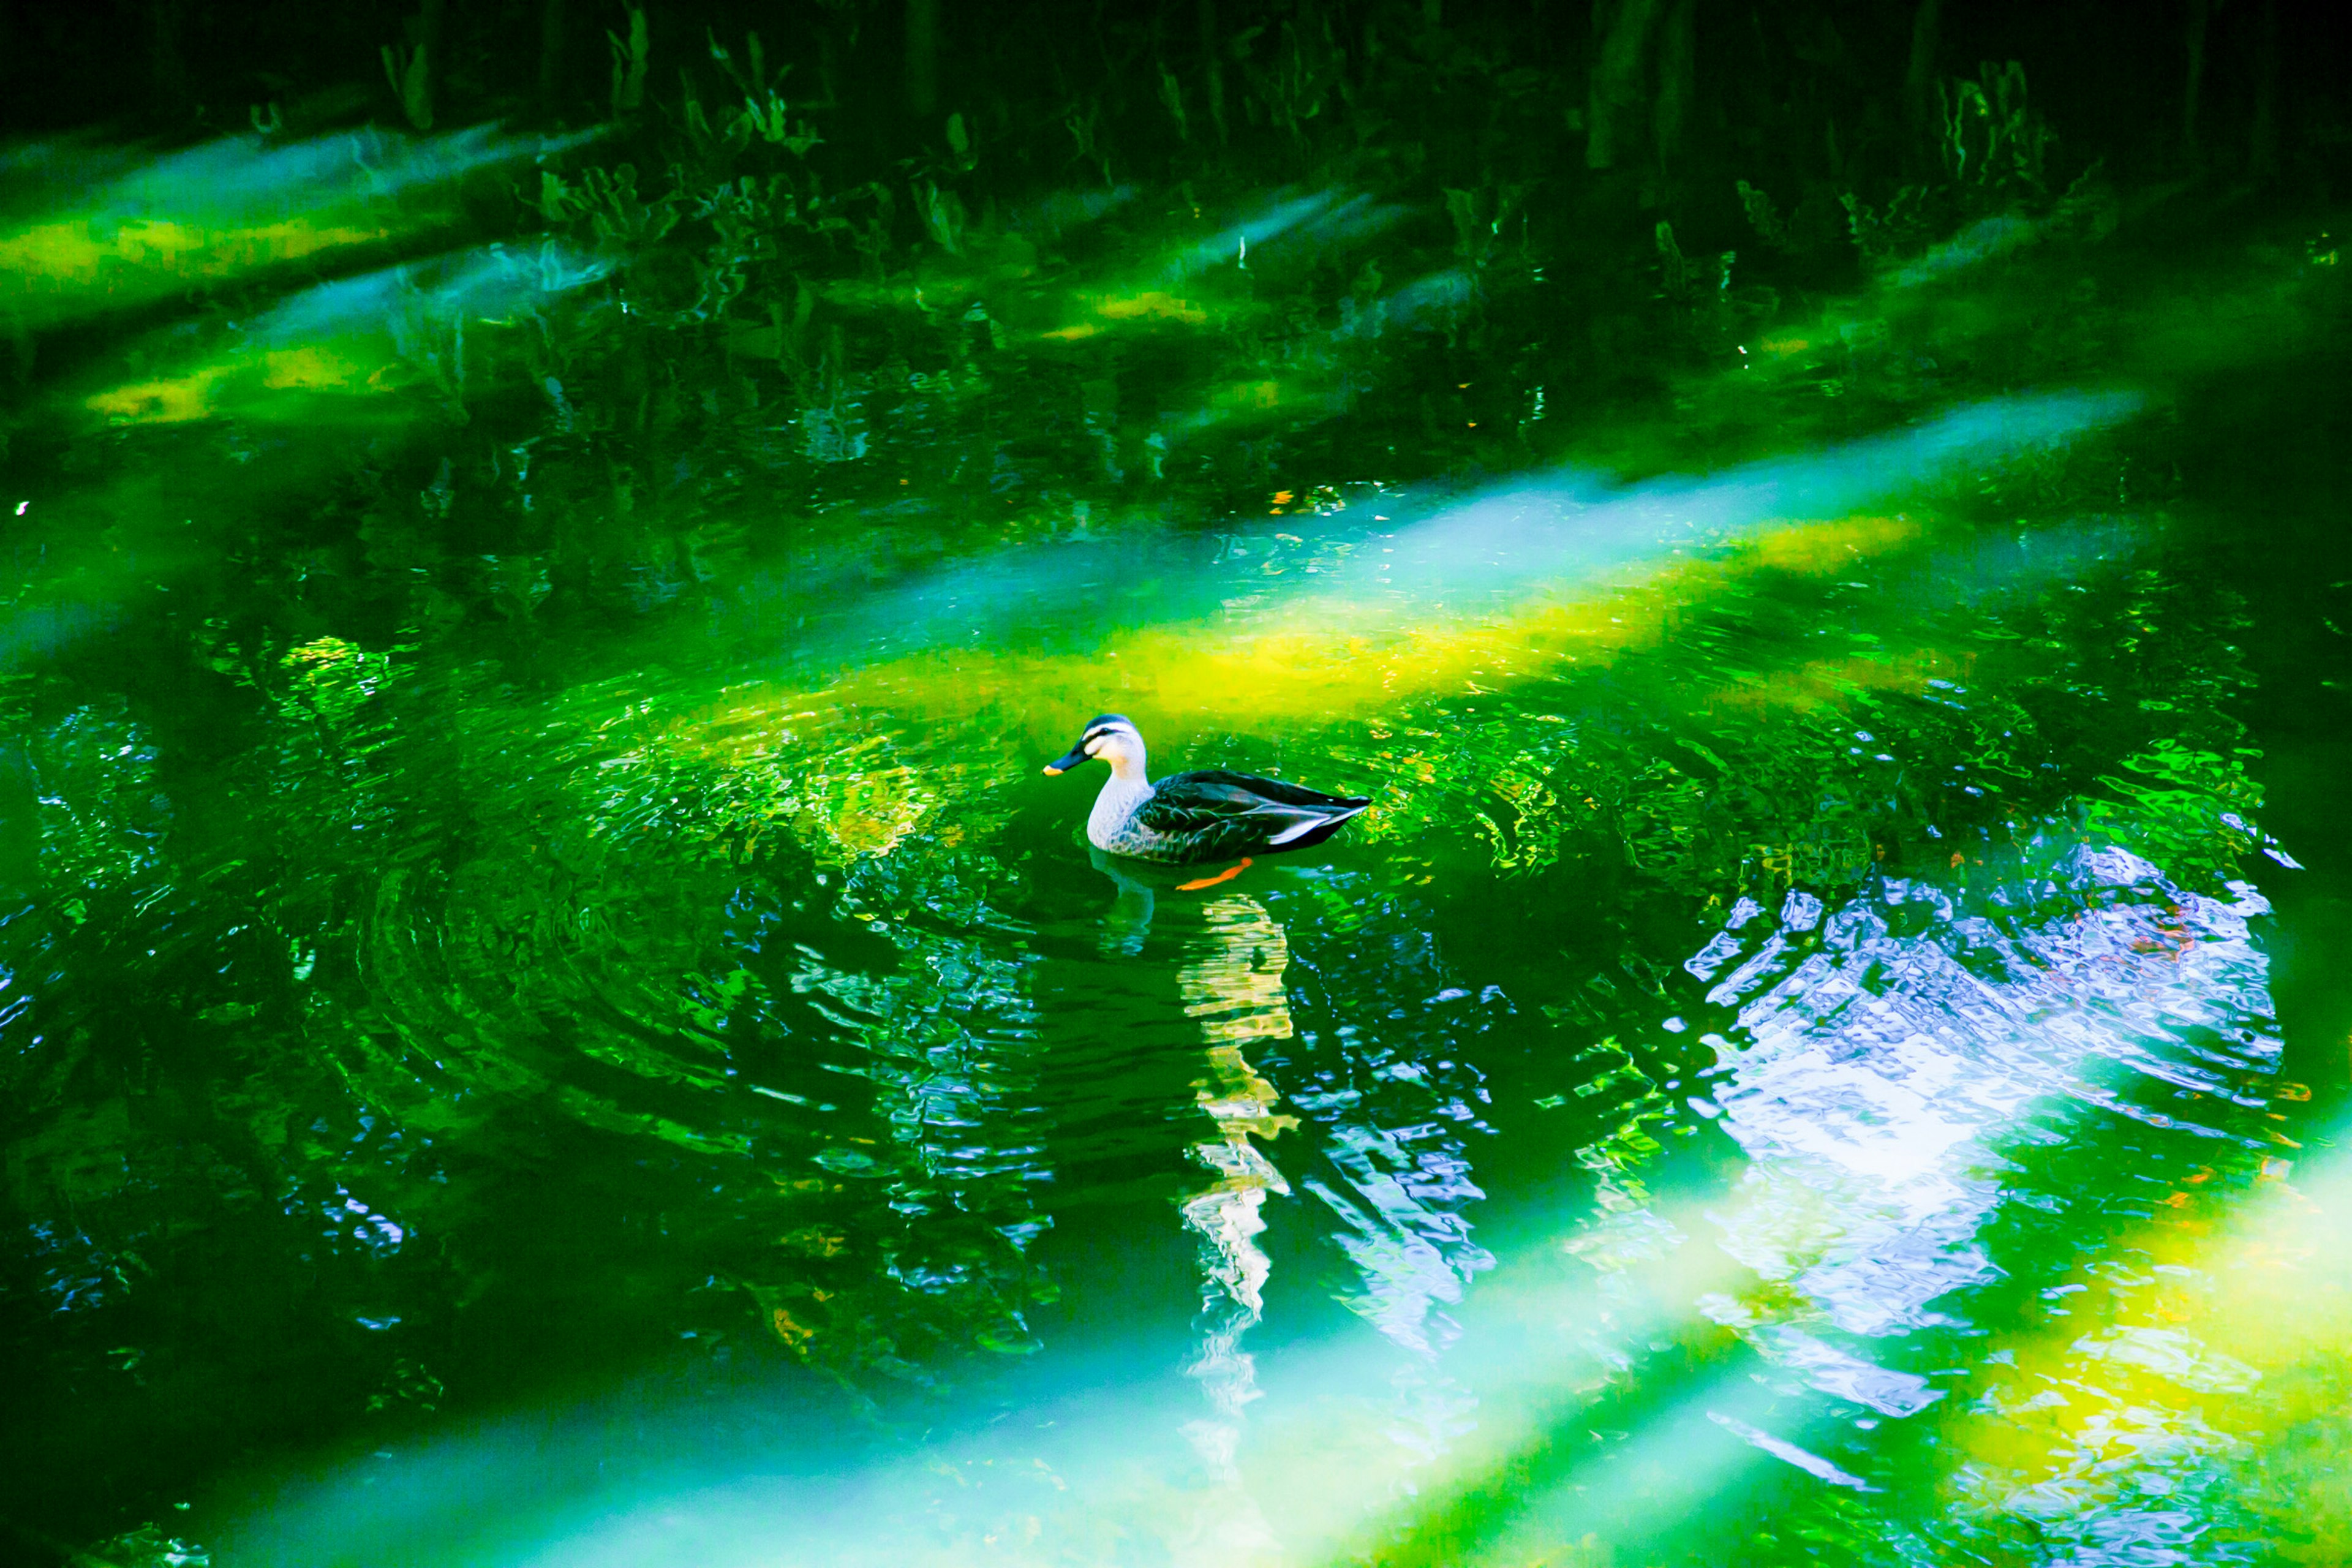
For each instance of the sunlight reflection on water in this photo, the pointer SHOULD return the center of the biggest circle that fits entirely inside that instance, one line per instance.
(1886, 1075)
(694, 971)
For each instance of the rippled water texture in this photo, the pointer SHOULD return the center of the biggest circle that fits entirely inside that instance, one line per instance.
(550, 1017)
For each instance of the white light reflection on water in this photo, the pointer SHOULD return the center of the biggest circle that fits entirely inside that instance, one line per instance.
(1882, 1078)
(1883, 1075)
(1566, 529)
(1391, 1168)
(1234, 992)
(1322, 1452)
(1889, 1067)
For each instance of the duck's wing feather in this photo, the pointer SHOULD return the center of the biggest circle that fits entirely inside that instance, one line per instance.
(1222, 814)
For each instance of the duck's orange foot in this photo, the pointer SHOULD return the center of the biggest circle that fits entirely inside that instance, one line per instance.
(1227, 875)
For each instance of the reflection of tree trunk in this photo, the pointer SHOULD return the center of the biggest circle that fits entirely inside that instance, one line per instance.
(2263, 143)
(1677, 84)
(1919, 81)
(428, 38)
(2193, 35)
(169, 67)
(410, 70)
(1623, 28)
(1209, 63)
(550, 55)
(922, 56)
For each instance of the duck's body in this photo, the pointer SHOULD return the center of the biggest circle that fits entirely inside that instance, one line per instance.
(1210, 814)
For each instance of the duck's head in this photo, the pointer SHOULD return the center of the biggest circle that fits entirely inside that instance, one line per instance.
(1111, 738)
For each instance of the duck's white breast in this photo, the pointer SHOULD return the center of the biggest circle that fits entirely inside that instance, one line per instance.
(1119, 800)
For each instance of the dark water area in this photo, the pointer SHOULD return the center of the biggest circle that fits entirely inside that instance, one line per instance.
(548, 1012)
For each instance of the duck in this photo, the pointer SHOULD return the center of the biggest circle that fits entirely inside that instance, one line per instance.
(1210, 815)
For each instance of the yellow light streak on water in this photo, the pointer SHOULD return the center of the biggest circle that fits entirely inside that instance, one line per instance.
(117, 235)
(200, 393)
(175, 400)
(57, 271)
(1150, 305)
(855, 765)
(84, 254)
(2228, 1362)
(1321, 659)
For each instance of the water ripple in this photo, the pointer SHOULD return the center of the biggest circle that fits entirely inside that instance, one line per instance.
(1884, 1078)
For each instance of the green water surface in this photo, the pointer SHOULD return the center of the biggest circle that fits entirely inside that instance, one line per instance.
(551, 1016)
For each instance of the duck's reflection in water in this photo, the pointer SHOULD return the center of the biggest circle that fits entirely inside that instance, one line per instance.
(1230, 983)
(1233, 987)
(1388, 1098)
(1127, 925)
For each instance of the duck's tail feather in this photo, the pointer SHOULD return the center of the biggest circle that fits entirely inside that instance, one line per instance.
(1313, 829)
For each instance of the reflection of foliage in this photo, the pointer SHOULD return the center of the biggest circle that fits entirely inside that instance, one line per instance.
(145, 1547)
(440, 954)
(944, 1040)
(348, 1024)
(375, 932)
(100, 814)
(2187, 811)
(1906, 751)
(1991, 136)
(1991, 145)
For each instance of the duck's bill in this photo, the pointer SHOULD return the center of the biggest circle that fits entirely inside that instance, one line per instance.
(1063, 764)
